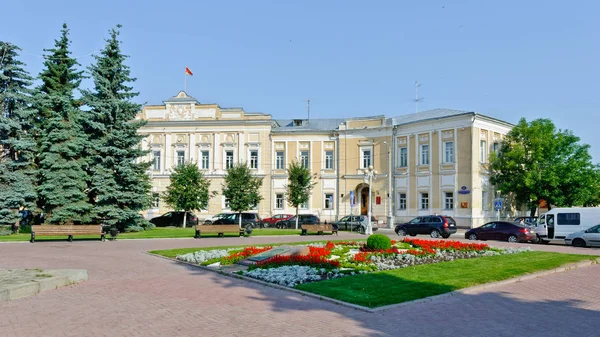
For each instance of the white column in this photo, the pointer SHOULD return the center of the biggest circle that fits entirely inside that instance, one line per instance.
(168, 153)
(241, 153)
(192, 148)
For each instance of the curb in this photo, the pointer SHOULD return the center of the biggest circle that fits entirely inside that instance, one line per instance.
(60, 278)
(468, 290)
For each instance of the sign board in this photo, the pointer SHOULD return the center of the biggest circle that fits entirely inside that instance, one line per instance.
(498, 204)
(352, 199)
(378, 200)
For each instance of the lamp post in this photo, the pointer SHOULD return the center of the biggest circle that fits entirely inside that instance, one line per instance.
(369, 173)
(389, 194)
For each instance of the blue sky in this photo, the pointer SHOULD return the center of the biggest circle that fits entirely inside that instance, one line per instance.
(506, 59)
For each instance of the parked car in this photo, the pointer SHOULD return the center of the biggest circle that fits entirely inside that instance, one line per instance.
(586, 238)
(249, 220)
(214, 218)
(434, 225)
(175, 219)
(503, 231)
(302, 219)
(269, 222)
(356, 223)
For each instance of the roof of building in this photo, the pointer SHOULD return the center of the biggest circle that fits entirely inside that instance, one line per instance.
(427, 115)
(319, 124)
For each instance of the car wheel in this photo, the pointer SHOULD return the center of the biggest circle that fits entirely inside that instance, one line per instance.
(265, 225)
(208, 222)
(513, 239)
(401, 232)
(361, 230)
(473, 237)
(579, 243)
(435, 234)
(445, 236)
(278, 225)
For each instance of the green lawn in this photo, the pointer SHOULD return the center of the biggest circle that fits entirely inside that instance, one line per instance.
(401, 285)
(157, 233)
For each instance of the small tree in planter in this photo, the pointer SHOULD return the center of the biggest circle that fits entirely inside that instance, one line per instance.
(188, 189)
(300, 185)
(241, 189)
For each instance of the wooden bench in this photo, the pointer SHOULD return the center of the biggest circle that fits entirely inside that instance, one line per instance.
(320, 228)
(66, 230)
(219, 229)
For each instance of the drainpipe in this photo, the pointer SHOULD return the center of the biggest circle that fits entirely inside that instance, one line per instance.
(392, 178)
(337, 176)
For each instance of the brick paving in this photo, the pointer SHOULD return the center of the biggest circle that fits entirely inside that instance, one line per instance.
(130, 293)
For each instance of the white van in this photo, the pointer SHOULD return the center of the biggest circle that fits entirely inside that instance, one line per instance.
(557, 223)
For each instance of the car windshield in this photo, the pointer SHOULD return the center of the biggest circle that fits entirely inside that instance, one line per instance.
(415, 220)
(346, 218)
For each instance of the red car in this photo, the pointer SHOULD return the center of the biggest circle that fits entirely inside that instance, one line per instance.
(270, 222)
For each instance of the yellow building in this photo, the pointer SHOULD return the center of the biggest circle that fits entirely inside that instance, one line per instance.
(424, 163)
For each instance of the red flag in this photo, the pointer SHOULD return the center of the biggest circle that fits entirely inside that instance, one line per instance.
(188, 71)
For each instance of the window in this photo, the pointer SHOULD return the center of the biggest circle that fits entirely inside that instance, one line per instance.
(568, 219)
(254, 159)
(424, 154)
(424, 200)
(228, 159)
(482, 151)
(329, 160)
(366, 158)
(304, 159)
(279, 160)
(403, 155)
(448, 200)
(495, 147)
(180, 158)
(328, 201)
(484, 201)
(155, 200)
(449, 152)
(156, 160)
(279, 201)
(304, 205)
(402, 201)
(204, 160)
(225, 203)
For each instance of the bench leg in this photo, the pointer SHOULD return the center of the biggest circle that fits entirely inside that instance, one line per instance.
(334, 232)
(197, 236)
(70, 238)
(32, 240)
(103, 237)
(241, 232)
(219, 235)
(303, 232)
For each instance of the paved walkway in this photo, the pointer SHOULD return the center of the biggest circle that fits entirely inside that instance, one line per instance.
(130, 293)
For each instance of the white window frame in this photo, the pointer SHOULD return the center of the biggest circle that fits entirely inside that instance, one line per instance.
(424, 201)
(328, 201)
(156, 160)
(253, 162)
(156, 200)
(202, 161)
(403, 157)
(280, 160)
(402, 201)
(424, 154)
(366, 160)
(180, 160)
(449, 152)
(495, 147)
(304, 205)
(279, 201)
(225, 204)
(448, 200)
(329, 163)
(482, 151)
(226, 163)
(305, 158)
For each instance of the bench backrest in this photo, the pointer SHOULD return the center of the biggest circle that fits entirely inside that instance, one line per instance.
(66, 229)
(321, 227)
(218, 228)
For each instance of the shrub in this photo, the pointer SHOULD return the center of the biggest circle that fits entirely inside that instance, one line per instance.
(379, 242)
(133, 229)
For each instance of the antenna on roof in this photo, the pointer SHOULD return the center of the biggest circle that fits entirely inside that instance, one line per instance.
(417, 98)
(308, 109)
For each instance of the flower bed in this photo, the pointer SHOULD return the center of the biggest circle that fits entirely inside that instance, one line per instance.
(337, 259)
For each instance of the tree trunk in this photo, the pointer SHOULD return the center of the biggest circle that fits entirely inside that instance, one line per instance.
(184, 218)
(240, 220)
(532, 211)
(296, 217)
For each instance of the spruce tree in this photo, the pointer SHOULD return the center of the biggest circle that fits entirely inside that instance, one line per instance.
(17, 148)
(62, 176)
(119, 186)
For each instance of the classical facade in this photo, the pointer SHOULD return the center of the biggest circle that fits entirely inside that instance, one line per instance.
(428, 162)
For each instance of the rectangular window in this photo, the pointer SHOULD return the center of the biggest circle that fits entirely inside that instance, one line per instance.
(448, 200)
(304, 159)
(254, 159)
(156, 160)
(228, 159)
(424, 154)
(279, 201)
(180, 158)
(484, 200)
(204, 160)
(328, 201)
(568, 219)
(279, 160)
(225, 203)
(403, 156)
(329, 160)
(366, 158)
(495, 147)
(449, 152)
(424, 200)
(304, 205)
(482, 151)
(155, 200)
(402, 201)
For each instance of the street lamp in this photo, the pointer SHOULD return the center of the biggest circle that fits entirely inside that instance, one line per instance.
(369, 173)
(389, 195)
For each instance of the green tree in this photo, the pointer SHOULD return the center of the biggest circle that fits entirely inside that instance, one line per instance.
(62, 176)
(537, 162)
(188, 190)
(241, 189)
(300, 185)
(119, 186)
(17, 148)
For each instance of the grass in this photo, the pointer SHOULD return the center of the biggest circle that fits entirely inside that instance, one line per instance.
(157, 233)
(412, 283)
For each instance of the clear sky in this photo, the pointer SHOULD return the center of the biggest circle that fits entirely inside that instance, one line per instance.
(507, 59)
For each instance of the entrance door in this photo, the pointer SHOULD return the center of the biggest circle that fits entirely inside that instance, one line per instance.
(364, 201)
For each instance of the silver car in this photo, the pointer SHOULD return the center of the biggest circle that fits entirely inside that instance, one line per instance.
(587, 238)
